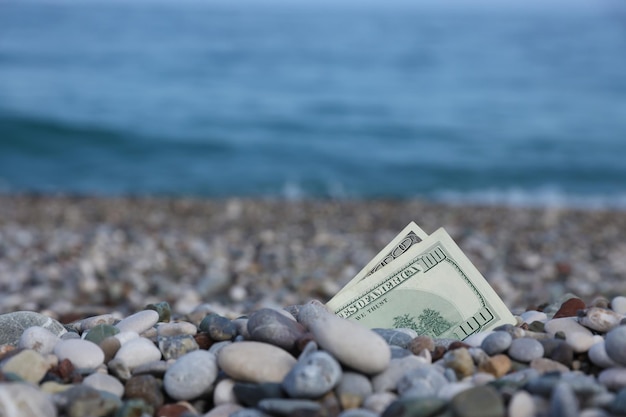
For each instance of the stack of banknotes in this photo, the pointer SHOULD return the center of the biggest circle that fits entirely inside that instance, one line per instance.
(425, 283)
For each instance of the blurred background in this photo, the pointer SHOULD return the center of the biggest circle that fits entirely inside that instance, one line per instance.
(491, 102)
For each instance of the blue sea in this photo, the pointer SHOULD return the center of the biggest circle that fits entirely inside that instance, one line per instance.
(499, 102)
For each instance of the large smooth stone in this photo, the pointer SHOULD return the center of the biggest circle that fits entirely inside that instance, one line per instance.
(351, 343)
(82, 354)
(577, 336)
(255, 362)
(191, 376)
(28, 365)
(138, 322)
(270, 326)
(599, 357)
(12, 325)
(314, 375)
(24, 400)
(525, 349)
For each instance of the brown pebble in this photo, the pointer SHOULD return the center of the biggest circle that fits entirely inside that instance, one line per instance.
(438, 353)
(203, 340)
(497, 365)
(418, 344)
(66, 372)
(457, 345)
(349, 400)
(145, 387)
(569, 308)
(110, 345)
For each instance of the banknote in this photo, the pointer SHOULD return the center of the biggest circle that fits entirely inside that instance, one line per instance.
(432, 288)
(409, 236)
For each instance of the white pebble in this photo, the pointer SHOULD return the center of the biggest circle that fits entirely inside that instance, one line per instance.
(223, 392)
(82, 353)
(533, 315)
(125, 337)
(138, 352)
(105, 382)
(618, 304)
(38, 339)
(139, 322)
(176, 329)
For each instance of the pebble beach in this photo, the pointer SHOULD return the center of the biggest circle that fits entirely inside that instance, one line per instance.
(190, 307)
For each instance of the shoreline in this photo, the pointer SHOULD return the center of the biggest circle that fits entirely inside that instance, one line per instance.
(71, 256)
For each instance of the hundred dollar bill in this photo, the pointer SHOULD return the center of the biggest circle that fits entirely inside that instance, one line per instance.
(409, 236)
(432, 288)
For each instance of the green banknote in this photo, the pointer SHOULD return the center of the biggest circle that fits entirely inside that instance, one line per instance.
(432, 288)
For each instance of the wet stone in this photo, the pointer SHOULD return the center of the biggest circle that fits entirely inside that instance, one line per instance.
(525, 349)
(250, 394)
(174, 347)
(12, 325)
(100, 332)
(218, 328)
(38, 339)
(395, 337)
(497, 342)
(314, 375)
(145, 387)
(270, 326)
(483, 401)
(415, 407)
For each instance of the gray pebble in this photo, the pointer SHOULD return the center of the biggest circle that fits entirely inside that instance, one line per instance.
(218, 328)
(613, 378)
(615, 342)
(397, 352)
(314, 375)
(177, 329)
(395, 337)
(12, 325)
(599, 357)
(389, 378)
(105, 382)
(289, 407)
(270, 326)
(483, 401)
(429, 379)
(525, 349)
(250, 394)
(357, 412)
(38, 339)
(619, 403)
(191, 375)
(563, 402)
(497, 342)
(599, 319)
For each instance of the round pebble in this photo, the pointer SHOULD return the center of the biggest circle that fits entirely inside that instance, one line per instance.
(497, 342)
(599, 357)
(349, 342)
(38, 339)
(218, 328)
(255, 362)
(104, 382)
(137, 352)
(525, 349)
(82, 354)
(618, 304)
(615, 342)
(521, 405)
(270, 326)
(138, 322)
(313, 375)
(191, 376)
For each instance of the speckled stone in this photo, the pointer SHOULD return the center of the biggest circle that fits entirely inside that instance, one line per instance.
(177, 329)
(191, 375)
(614, 343)
(525, 349)
(38, 339)
(146, 388)
(12, 325)
(173, 347)
(351, 343)
(497, 342)
(314, 375)
(460, 361)
(24, 400)
(483, 401)
(255, 362)
(270, 326)
(83, 354)
(29, 365)
(104, 382)
(138, 322)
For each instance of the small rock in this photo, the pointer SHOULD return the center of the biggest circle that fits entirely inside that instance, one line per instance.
(352, 389)
(290, 407)
(99, 332)
(218, 328)
(389, 378)
(82, 400)
(544, 365)
(270, 326)
(422, 382)
(415, 407)
(173, 347)
(38, 339)
(351, 343)
(255, 362)
(23, 400)
(163, 309)
(599, 357)
(28, 365)
(569, 308)
(483, 401)
(12, 325)
(599, 319)
(613, 378)
(145, 387)
(421, 343)
(191, 375)
(496, 342)
(577, 336)
(138, 322)
(379, 401)
(91, 322)
(104, 382)
(138, 352)
(82, 354)
(525, 349)
(460, 361)
(177, 329)
(250, 394)
(394, 337)
(497, 365)
(614, 344)
(618, 304)
(110, 346)
(521, 405)
(223, 392)
(313, 375)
